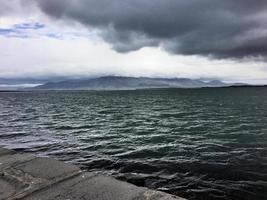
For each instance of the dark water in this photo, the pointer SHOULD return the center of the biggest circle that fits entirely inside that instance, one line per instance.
(195, 143)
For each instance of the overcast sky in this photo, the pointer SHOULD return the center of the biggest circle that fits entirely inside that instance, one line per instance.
(209, 39)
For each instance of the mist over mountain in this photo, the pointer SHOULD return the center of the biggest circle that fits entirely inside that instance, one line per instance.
(121, 83)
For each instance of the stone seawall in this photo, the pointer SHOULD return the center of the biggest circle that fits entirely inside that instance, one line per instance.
(24, 176)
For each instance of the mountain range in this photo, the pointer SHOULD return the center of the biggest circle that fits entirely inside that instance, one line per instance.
(124, 83)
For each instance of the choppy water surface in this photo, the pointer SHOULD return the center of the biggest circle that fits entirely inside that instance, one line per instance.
(195, 143)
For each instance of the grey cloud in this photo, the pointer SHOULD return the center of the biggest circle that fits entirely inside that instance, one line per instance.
(7, 7)
(16, 7)
(125, 41)
(215, 28)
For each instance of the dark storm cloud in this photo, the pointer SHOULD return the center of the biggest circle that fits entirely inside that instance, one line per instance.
(219, 28)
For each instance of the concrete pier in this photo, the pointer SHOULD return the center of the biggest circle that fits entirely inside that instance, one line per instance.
(24, 176)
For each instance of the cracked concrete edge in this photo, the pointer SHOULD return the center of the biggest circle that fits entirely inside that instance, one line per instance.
(12, 172)
(157, 195)
(39, 185)
(34, 183)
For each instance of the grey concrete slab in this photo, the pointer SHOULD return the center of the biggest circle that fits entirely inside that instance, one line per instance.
(6, 189)
(48, 169)
(11, 181)
(88, 186)
(22, 174)
(8, 160)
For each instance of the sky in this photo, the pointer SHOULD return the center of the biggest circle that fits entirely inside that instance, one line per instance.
(199, 39)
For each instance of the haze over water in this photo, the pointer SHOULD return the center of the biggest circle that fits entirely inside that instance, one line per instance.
(195, 143)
